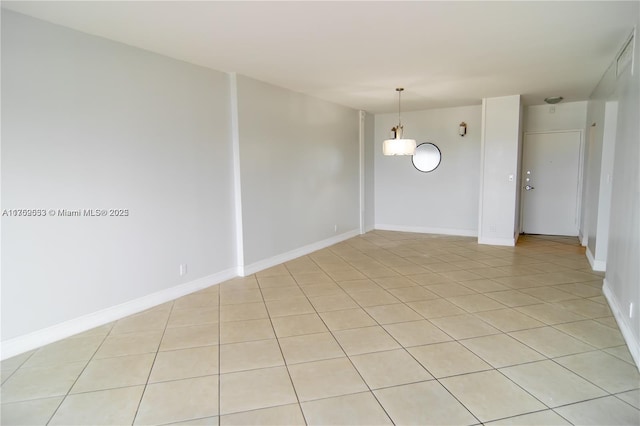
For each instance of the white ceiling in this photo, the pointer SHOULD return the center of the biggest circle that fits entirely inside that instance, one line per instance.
(356, 53)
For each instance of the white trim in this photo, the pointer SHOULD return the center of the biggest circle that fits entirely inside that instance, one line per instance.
(621, 319)
(483, 131)
(237, 186)
(427, 230)
(361, 129)
(596, 265)
(36, 339)
(581, 158)
(583, 238)
(293, 254)
(511, 242)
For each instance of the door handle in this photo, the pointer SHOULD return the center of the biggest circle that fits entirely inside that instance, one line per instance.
(528, 188)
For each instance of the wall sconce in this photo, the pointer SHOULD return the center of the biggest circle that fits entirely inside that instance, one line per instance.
(462, 129)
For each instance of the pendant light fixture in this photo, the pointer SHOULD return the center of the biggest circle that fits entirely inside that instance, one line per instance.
(397, 145)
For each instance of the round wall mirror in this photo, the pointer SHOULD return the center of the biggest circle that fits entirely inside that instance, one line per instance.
(426, 158)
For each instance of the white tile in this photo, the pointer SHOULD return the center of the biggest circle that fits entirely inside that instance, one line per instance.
(115, 372)
(327, 378)
(356, 409)
(250, 355)
(552, 384)
(105, 407)
(310, 347)
(541, 418)
(501, 350)
(34, 412)
(364, 340)
(390, 368)
(619, 376)
(448, 359)
(416, 333)
(179, 400)
(290, 415)
(407, 404)
(491, 396)
(601, 411)
(249, 390)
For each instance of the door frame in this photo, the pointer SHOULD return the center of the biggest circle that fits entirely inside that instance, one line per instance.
(581, 158)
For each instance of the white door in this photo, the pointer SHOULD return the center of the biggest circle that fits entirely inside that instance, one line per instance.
(551, 164)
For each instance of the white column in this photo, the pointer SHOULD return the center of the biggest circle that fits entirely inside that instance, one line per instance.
(499, 171)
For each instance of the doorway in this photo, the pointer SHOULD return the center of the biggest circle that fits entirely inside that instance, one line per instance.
(550, 182)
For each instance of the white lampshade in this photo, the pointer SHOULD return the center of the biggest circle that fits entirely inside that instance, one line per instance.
(399, 147)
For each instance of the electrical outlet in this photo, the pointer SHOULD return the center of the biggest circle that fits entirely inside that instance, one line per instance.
(335, 228)
(183, 269)
(631, 310)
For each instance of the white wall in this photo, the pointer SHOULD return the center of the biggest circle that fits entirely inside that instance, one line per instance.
(601, 233)
(602, 121)
(594, 138)
(442, 201)
(299, 163)
(623, 269)
(499, 180)
(591, 178)
(369, 172)
(90, 123)
(615, 107)
(517, 226)
(562, 116)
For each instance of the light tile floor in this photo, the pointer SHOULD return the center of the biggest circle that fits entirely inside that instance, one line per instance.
(385, 328)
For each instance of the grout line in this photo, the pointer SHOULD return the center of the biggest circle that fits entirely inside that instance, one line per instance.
(144, 390)
(284, 360)
(376, 251)
(526, 414)
(81, 372)
(555, 360)
(4, 380)
(351, 361)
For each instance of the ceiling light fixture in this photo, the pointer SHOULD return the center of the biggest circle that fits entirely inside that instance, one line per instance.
(552, 100)
(397, 145)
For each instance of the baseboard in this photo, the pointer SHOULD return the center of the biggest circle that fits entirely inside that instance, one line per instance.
(596, 265)
(511, 242)
(427, 230)
(293, 254)
(627, 333)
(583, 239)
(36, 339)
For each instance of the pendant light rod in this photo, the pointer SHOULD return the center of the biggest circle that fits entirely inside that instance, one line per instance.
(399, 145)
(399, 90)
